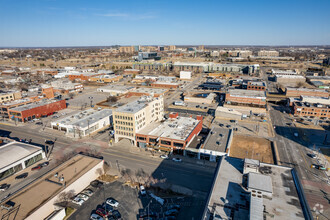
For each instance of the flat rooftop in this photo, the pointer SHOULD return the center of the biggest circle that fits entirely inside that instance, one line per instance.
(306, 89)
(229, 197)
(284, 72)
(136, 105)
(15, 151)
(290, 76)
(106, 76)
(247, 93)
(48, 186)
(316, 100)
(173, 128)
(218, 139)
(150, 90)
(83, 118)
(257, 83)
(18, 101)
(34, 105)
(121, 88)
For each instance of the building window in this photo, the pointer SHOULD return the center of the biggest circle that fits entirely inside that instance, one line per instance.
(33, 160)
(141, 138)
(177, 144)
(165, 142)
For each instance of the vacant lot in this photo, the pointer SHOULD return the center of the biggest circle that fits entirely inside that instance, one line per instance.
(251, 147)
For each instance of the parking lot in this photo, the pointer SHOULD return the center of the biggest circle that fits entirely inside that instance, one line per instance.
(128, 198)
(132, 205)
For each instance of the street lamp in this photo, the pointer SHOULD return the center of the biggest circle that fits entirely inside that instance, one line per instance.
(91, 98)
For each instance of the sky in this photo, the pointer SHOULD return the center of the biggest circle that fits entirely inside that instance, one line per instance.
(53, 23)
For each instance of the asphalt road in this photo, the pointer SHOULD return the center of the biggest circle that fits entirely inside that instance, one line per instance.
(187, 174)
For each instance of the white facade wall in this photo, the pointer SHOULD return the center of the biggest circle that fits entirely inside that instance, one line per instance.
(185, 75)
(77, 186)
(22, 161)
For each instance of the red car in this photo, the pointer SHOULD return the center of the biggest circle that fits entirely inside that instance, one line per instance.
(102, 212)
(36, 167)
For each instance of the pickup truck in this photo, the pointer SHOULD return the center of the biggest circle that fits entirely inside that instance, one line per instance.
(8, 205)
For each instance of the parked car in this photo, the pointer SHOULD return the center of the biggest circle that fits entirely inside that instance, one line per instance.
(39, 123)
(8, 205)
(143, 191)
(44, 164)
(177, 207)
(112, 202)
(107, 207)
(96, 183)
(4, 187)
(49, 142)
(22, 176)
(319, 167)
(83, 196)
(36, 167)
(116, 214)
(312, 155)
(88, 192)
(171, 212)
(78, 201)
(163, 156)
(177, 159)
(102, 212)
(95, 217)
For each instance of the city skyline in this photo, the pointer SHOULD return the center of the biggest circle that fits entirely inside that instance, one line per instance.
(55, 23)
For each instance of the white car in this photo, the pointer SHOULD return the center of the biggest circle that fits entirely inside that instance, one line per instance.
(83, 197)
(112, 202)
(96, 217)
(78, 201)
(143, 190)
(163, 156)
(177, 159)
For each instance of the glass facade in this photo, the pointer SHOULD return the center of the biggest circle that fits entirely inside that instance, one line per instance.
(33, 160)
(10, 171)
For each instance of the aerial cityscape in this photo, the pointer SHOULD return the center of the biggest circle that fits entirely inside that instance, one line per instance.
(144, 110)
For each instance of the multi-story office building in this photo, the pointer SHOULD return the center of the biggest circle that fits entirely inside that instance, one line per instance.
(128, 49)
(10, 96)
(312, 106)
(148, 56)
(132, 117)
(152, 66)
(268, 53)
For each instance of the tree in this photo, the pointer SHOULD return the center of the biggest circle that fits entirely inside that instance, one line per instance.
(112, 99)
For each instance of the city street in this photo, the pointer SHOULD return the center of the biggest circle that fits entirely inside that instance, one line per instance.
(293, 153)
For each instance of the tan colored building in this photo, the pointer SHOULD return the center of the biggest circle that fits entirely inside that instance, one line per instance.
(132, 117)
(268, 53)
(297, 92)
(106, 78)
(128, 49)
(10, 96)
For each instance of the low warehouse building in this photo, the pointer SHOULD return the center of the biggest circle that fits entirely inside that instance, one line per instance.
(36, 110)
(38, 200)
(16, 156)
(246, 98)
(223, 112)
(297, 92)
(175, 133)
(115, 90)
(84, 123)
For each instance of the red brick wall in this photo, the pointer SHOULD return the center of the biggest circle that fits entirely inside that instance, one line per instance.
(312, 111)
(41, 110)
(245, 100)
(297, 93)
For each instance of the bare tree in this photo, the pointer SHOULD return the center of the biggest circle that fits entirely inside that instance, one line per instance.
(99, 171)
(112, 99)
(106, 167)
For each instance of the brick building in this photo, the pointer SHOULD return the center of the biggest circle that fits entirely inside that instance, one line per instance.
(246, 98)
(297, 92)
(175, 133)
(256, 85)
(83, 76)
(311, 106)
(165, 85)
(36, 110)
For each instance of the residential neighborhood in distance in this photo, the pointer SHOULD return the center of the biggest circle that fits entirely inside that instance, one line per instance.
(115, 111)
